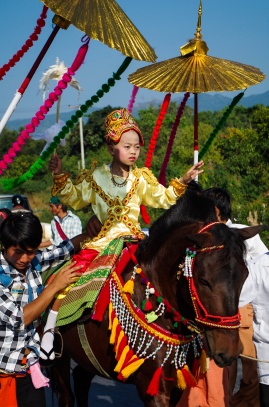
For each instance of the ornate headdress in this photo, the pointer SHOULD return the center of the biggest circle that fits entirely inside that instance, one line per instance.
(118, 122)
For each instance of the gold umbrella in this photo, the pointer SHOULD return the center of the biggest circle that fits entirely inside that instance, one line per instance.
(105, 21)
(196, 72)
(102, 20)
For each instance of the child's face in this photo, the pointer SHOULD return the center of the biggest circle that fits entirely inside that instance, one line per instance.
(127, 150)
(19, 258)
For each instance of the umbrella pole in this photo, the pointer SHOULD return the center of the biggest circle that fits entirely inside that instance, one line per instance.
(27, 80)
(195, 132)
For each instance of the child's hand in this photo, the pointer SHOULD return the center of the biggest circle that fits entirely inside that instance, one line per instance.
(192, 173)
(66, 276)
(55, 164)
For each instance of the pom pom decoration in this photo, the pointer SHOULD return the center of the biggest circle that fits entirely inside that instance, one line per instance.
(30, 128)
(13, 182)
(220, 124)
(129, 287)
(28, 44)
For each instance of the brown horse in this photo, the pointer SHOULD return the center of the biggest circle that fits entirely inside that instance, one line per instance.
(184, 302)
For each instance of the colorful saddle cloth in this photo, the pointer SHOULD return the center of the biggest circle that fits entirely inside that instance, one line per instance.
(85, 291)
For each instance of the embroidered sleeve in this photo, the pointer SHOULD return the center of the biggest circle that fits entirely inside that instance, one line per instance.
(179, 187)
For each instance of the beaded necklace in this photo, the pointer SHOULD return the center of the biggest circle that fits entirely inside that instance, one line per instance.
(118, 184)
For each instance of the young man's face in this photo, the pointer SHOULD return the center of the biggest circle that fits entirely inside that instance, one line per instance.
(19, 258)
(55, 209)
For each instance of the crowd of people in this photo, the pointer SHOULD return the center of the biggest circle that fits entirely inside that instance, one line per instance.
(115, 192)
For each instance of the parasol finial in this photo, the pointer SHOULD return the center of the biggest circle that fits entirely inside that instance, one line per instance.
(196, 45)
(198, 34)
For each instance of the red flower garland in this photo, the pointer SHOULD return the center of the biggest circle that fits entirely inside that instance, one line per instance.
(28, 44)
(152, 144)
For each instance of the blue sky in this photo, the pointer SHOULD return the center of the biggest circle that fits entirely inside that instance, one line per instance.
(237, 30)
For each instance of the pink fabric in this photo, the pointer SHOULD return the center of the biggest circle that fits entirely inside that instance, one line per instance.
(38, 379)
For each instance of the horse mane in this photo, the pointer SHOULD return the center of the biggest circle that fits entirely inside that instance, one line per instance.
(191, 207)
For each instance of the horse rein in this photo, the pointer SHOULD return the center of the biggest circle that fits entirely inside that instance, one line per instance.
(202, 316)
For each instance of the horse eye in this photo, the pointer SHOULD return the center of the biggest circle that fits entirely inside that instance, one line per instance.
(204, 282)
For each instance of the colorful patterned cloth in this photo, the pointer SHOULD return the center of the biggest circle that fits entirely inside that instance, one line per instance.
(85, 291)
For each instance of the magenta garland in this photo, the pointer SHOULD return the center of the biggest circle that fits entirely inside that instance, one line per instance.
(132, 100)
(44, 109)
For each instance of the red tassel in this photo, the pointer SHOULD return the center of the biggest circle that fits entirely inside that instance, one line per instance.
(78, 61)
(101, 303)
(144, 214)
(189, 379)
(153, 388)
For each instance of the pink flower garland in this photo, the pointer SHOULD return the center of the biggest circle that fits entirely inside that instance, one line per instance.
(132, 100)
(40, 115)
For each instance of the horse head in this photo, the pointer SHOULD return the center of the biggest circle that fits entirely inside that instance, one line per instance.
(200, 271)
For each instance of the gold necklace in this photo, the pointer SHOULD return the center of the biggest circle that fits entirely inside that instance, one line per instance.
(119, 184)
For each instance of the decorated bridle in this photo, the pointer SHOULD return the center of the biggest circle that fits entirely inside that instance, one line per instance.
(202, 315)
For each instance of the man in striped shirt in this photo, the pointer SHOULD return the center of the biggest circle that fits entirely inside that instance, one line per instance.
(22, 301)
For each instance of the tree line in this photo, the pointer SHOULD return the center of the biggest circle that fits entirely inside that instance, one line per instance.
(237, 159)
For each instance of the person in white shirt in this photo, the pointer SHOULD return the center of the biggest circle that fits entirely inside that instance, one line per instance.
(256, 291)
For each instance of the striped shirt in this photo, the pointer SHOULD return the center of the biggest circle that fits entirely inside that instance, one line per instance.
(15, 337)
(70, 224)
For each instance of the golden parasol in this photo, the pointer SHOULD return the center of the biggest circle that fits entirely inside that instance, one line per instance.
(102, 20)
(196, 72)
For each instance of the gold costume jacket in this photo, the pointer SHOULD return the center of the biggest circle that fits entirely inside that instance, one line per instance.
(117, 208)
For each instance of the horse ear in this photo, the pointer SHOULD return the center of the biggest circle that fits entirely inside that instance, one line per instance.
(199, 240)
(251, 231)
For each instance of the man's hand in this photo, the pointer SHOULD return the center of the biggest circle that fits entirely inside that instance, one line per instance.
(55, 164)
(93, 226)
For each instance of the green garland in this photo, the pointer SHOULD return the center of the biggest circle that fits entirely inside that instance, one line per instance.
(220, 124)
(14, 182)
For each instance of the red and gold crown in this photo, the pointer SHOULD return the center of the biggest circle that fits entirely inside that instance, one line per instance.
(118, 122)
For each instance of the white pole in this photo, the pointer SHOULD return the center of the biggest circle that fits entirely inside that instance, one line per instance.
(10, 110)
(81, 143)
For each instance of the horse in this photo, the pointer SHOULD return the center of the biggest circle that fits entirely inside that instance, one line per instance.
(172, 301)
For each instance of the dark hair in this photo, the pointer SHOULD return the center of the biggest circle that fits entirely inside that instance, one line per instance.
(4, 213)
(17, 200)
(222, 201)
(21, 229)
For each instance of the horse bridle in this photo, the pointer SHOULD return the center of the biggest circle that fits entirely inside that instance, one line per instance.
(202, 315)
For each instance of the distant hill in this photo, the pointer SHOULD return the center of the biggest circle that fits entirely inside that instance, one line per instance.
(211, 102)
(205, 102)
